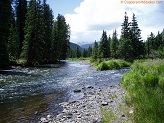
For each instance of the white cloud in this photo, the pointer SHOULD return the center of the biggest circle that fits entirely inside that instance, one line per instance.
(94, 16)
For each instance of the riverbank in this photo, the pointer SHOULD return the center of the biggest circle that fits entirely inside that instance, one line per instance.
(34, 91)
(98, 105)
(145, 90)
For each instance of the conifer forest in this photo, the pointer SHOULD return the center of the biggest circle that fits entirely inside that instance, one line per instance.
(44, 78)
(30, 35)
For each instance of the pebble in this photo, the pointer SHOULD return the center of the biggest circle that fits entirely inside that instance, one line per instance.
(104, 103)
(77, 90)
(89, 86)
(88, 109)
(43, 120)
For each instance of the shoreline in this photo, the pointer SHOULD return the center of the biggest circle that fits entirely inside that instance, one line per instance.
(92, 107)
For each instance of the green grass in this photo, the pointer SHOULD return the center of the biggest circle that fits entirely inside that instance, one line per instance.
(108, 115)
(113, 96)
(145, 87)
(78, 59)
(113, 65)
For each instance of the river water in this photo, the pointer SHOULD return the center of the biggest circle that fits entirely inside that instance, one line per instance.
(27, 94)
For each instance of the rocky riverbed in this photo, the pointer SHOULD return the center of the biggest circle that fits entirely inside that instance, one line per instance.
(95, 106)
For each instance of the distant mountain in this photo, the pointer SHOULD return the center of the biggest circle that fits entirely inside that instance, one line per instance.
(73, 46)
(85, 46)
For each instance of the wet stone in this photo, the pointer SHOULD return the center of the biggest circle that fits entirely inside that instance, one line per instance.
(77, 90)
(43, 120)
(104, 103)
(89, 86)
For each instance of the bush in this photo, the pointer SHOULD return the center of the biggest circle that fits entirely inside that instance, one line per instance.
(113, 65)
(103, 66)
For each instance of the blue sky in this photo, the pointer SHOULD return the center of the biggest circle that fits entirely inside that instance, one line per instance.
(63, 6)
(88, 18)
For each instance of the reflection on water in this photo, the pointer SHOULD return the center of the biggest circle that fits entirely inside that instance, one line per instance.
(26, 110)
(26, 94)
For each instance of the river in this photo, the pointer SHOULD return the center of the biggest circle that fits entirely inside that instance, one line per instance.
(27, 94)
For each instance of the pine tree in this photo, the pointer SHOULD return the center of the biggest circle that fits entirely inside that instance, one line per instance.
(5, 17)
(89, 51)
(47, 27)
(109, 45)
(85, 53)
(60, 38)
(13, 48)
(95, 54)
(114, 45)
(158, 41)
(162, 42)
(33, 44)
(21, 10)
(104, 49)
(78, 52)
(55, 43)
(135, 33)
(150, 45)
(125, 46)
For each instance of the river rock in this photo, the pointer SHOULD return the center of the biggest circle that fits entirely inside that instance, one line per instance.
(49, 116)
(77, 90)
(131, 111)
(36, 112)
(89, 86)
(43, 120)
(104, 103)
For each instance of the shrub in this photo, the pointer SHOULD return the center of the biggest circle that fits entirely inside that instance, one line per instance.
(103, 66)
(113, 65)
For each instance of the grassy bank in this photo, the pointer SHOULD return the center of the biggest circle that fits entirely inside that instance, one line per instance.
(78, 59)
(113, 65)
(145, 91)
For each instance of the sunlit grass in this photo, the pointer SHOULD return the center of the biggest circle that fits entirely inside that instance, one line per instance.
(113, 65)
(145, 87)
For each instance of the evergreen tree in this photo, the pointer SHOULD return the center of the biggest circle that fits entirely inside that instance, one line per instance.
(60, 38)
(158, 42)
(104, 49)
(13, 48)
(47, 27)
(21, 10)
(125, 46)
(5, 18)
(78, 52)
(114, 45)
(135, 33)
(150, 45)
(89, 51)
(33, 44)
(95, 54)
(72, 54)
(162, 42)
(55, 43)
(85, 53)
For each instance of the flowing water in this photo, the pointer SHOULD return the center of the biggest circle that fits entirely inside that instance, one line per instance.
(27, 94)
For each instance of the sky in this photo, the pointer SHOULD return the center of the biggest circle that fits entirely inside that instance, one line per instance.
(88, 18)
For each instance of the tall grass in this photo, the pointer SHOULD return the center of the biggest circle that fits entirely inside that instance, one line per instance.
(113, 65)
(145, 87)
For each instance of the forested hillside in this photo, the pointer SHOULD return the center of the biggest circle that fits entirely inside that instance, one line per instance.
(129, 46)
